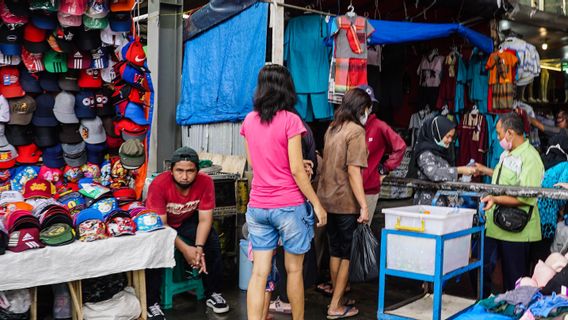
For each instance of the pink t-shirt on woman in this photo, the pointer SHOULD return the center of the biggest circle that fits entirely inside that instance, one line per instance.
(273, 185)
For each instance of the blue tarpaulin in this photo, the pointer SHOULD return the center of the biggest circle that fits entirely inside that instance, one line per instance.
(220, 69)
(389, 32)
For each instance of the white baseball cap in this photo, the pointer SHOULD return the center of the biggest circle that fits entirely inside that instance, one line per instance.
(4, 109)
(92, 131)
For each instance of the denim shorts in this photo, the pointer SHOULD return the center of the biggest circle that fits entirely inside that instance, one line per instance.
(293, 225)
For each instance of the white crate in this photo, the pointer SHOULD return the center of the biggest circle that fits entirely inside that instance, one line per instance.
(413, 254)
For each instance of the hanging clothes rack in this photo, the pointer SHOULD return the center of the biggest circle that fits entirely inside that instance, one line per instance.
(291, 6)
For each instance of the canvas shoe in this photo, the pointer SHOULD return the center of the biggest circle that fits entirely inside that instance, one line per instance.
(155, 312)
(217, 303)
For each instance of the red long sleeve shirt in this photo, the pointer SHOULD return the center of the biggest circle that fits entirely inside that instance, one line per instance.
(381, 139)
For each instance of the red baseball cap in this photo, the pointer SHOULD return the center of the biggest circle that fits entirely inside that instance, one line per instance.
(78, 60)
(24, 239)
(28, 154)
(124, 194)
(35, 39)
(11, 87)
(114, 142)
(10, 18)
(73, 7)
(33, 61)
(90, 78)
(38, 188)
(121, 5)
(135, 53)
(129, 126)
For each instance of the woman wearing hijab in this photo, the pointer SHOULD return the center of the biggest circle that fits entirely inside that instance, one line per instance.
(432, 159)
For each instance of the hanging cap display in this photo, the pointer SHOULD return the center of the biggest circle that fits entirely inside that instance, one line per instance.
(35, 39)
(69, 20)
(45, 136)
(11, 88)
(55, 62)
(120, 21)
(43, 115)
(97, 8)
(33, 61)
(11, 39)
(132, 155)
(95, 23)
(44, 19)
(9, 17)
(48, 82)
(90, 78)
(64, 109)
(73, 7)
(6, 60)
(122, 5)
(22, 110)
(65, 38)
(92, 131)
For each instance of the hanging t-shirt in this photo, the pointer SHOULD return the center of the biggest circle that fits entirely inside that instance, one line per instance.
(447, 92)
(472, 135)
(416, 121)
(430, 71)
(460, 85)
(478, 79)
(501, 65)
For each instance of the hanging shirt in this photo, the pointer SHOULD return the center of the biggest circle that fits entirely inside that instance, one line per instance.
(447, 93)
(494, 149)
(375, 56)
(472, 135)
(501, 67)
(529, 60)
(416, 121)
(460, 85)
(478, 79)
(430, 71)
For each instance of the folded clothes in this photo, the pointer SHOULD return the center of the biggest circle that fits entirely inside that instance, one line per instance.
(522, 296)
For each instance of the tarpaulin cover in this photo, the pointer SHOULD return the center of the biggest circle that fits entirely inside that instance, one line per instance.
(220, 69)
(388, 32)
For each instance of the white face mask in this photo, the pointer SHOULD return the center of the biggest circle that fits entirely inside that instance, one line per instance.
(363, 118)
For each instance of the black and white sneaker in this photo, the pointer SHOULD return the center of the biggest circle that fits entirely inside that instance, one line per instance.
(217, 303)
(155, 312)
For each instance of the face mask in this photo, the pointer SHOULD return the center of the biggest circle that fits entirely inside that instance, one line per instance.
(506, 145)
(363, 118)
(442, 144)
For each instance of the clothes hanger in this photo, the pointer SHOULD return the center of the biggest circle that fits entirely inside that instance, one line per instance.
(474, 110)
(445, 110)
(351, 13)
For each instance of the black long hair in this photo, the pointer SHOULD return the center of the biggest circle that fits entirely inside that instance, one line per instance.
(352, 107)
(274, 92)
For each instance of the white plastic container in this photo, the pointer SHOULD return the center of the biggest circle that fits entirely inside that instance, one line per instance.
(413, 254)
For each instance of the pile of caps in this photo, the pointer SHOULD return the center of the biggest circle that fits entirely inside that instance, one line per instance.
(74, 84)
(42, 217)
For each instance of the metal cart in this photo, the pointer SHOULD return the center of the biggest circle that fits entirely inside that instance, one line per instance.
(439, 278)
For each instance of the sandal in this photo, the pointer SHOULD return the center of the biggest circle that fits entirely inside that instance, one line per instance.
(325, 289)
(346, 302)
(349, 312)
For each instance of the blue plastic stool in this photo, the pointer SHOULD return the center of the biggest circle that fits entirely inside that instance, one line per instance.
(175, 281)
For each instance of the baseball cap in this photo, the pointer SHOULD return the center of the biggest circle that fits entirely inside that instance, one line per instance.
(45, 136)
(95, 23)
(29, 81)
(10, 17)
(68, 80)
(48, 82)
(96, 153)
(132, 154)
(53, 157)
(369, 90)
(52, 41)
(124, 194)
(130, 130)
(19, 135)
(102, 102)
(135, 53)
(92, 170)
(45, 20)
(69, 133)
(74, 202)
(109, 74)
(113, 38)
(78, 60)
(7, 60)
(64, 110)
(73, 7)
(23, 174)
(64, 187)
(18, 7)
(119, 223)
(11, 40)
(8, 155)
(28, 154)
(4, 110)
(3, 139)
(135, 113)
(35, 39)
(97, 8)
(121, 5)
(57, 234)
(88, 214)
(11, 87)
(90, 78)
(43, 115)
(65, 38)
(38, 188)
(84, 105)
(75, 155)
(53, 175)
(92, 130)
(49, 5)
(185, 154)
(105, 205)
(21, 110)
(69, 20)
(25, 237)
(134, 75)
(72, 174)
(148, 221)
(33, 61)
(91, 230)
(55, 62)
(10, 196)
(89, 40)
(100, 58)
(120, 21)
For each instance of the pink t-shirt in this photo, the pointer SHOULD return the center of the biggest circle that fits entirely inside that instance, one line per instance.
(273, 185)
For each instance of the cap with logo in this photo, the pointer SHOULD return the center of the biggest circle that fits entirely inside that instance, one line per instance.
(3, 139)
(35, 39)
(53, 157)
(95, 23)
(96, 153)
(64, 109)
(105, 205)
(69, 133)
(68, 80)
(109, 74)
(49, 5)
(69, 20)
(132, 155)
(97, 8)
(100, 58)
(45, 20)
(75, 155)
(135, 53)
(55, 62)
(8, 155)
(21, 110)
(11, 40)
(74, 202)
(92, 131)
(78, 60)
(102, 102)
(6, 60)
(4, 111)
(28, 154)
(57, 234)
(113, 38)
(48, 82)
(92, 229)
(45, 136)
(89, 39)
(11, 87)
(33, 61)
(90, 78)
(134, 75)
(73, 7)
(43, 115)
(84, 105)
(38, 188)
(53, 175)
(148, 221)
(24, 231)
(65, 38)
(119, 223)
(9, 17)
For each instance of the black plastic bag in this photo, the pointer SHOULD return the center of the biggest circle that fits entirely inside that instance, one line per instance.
(364, 264)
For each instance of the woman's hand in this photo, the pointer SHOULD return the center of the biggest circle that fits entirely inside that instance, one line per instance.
(309, 168)
(467, 171)
(363, 215)
(561, 185)
(321, 214)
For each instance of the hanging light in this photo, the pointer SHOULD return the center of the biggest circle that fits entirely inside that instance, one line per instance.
(544, 45)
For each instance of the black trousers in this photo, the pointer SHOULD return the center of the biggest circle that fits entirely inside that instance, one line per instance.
(213, 260)
(514, 257)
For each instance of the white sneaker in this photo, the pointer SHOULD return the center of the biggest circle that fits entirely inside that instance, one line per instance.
(217, 303)
(155, 312)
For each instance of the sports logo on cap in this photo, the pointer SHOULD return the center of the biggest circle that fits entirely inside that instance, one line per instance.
(9, 79)
(6, 155)
(84, 133)
(22, 107)
(38, 187)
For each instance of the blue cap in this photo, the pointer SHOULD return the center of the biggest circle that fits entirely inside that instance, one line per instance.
(73, 201)
(29, 81)
(49, 82)
(135, 113)
(85, 105)
(120, 21)
(105, 206)
(369, 90)
(88, 214)
(43, 116)
(44, 20)
(53, 157)
(148, 221)
(96, 153)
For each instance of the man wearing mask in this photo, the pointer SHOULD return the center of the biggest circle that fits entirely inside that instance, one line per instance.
(185, 198)
(520, 165)
(561, 124)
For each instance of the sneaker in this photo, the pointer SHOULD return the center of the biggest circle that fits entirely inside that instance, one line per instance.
(217, 303)
(155, 312)
(280, 307)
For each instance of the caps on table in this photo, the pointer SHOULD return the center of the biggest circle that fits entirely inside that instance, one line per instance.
(8, 155)
(38, 188)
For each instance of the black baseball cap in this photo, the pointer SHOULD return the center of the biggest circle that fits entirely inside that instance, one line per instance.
(45, 136)
(19, 135)
(185, 154)
(11, 39)
(89, 40)
(69, 134)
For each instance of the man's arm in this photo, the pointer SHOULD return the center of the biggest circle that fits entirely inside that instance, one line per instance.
(203, 228)
(536, 123)
(506, 201)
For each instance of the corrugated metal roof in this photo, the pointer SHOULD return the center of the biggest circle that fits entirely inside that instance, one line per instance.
(221, 138)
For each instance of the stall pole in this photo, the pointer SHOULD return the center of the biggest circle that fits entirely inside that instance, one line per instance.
(165, 30)
(277, 25)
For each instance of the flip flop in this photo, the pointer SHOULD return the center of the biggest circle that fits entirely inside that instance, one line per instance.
(345, 314)
(347, 302)
(325, 289)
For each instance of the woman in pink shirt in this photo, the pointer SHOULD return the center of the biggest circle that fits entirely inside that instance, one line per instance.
(277, 207)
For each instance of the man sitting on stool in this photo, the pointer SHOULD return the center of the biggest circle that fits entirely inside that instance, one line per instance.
(185, 198)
